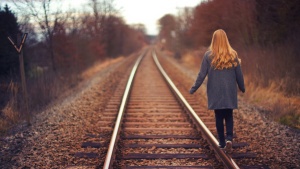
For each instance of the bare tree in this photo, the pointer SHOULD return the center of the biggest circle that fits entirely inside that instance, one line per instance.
(104, 12)
(102, 9)
(45, 16)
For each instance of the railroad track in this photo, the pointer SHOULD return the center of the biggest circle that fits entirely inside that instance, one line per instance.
(155, 127)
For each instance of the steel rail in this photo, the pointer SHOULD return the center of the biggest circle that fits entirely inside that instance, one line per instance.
(227, 161)
(113, 141)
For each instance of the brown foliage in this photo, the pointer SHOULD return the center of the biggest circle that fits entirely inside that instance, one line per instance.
(235, 17)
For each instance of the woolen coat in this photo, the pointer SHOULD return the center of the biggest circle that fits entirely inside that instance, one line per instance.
(221, 84)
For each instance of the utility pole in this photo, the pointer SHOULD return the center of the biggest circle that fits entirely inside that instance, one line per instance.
(22, 72)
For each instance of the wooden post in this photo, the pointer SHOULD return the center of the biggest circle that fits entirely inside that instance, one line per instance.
(22, 71)
(24, 87)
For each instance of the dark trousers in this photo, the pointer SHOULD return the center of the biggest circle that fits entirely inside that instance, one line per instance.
(220, 116)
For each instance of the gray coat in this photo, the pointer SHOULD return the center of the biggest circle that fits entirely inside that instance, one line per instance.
(221, 84)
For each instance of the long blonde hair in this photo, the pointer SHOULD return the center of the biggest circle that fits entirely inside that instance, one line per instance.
(222, 54)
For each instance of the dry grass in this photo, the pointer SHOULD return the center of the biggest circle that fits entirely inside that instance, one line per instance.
(11, 117)
(9, 114)
(98, 66)
(42, 91)
(283, 108)
(272, 96)
(192, 59)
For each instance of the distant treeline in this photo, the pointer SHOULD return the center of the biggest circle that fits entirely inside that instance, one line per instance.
(66, 42)
(59, 46)
(265, 33)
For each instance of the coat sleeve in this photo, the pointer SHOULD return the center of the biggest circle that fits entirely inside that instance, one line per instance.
(201, 75)
(240, 78)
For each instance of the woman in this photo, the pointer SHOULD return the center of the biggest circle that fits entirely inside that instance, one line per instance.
(222, 66)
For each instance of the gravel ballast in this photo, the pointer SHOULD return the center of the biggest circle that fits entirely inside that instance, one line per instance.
(56, 133)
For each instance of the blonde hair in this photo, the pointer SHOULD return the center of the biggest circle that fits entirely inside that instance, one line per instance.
(222, 54)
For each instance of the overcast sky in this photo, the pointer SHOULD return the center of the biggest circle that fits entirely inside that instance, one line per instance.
(147, 12)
